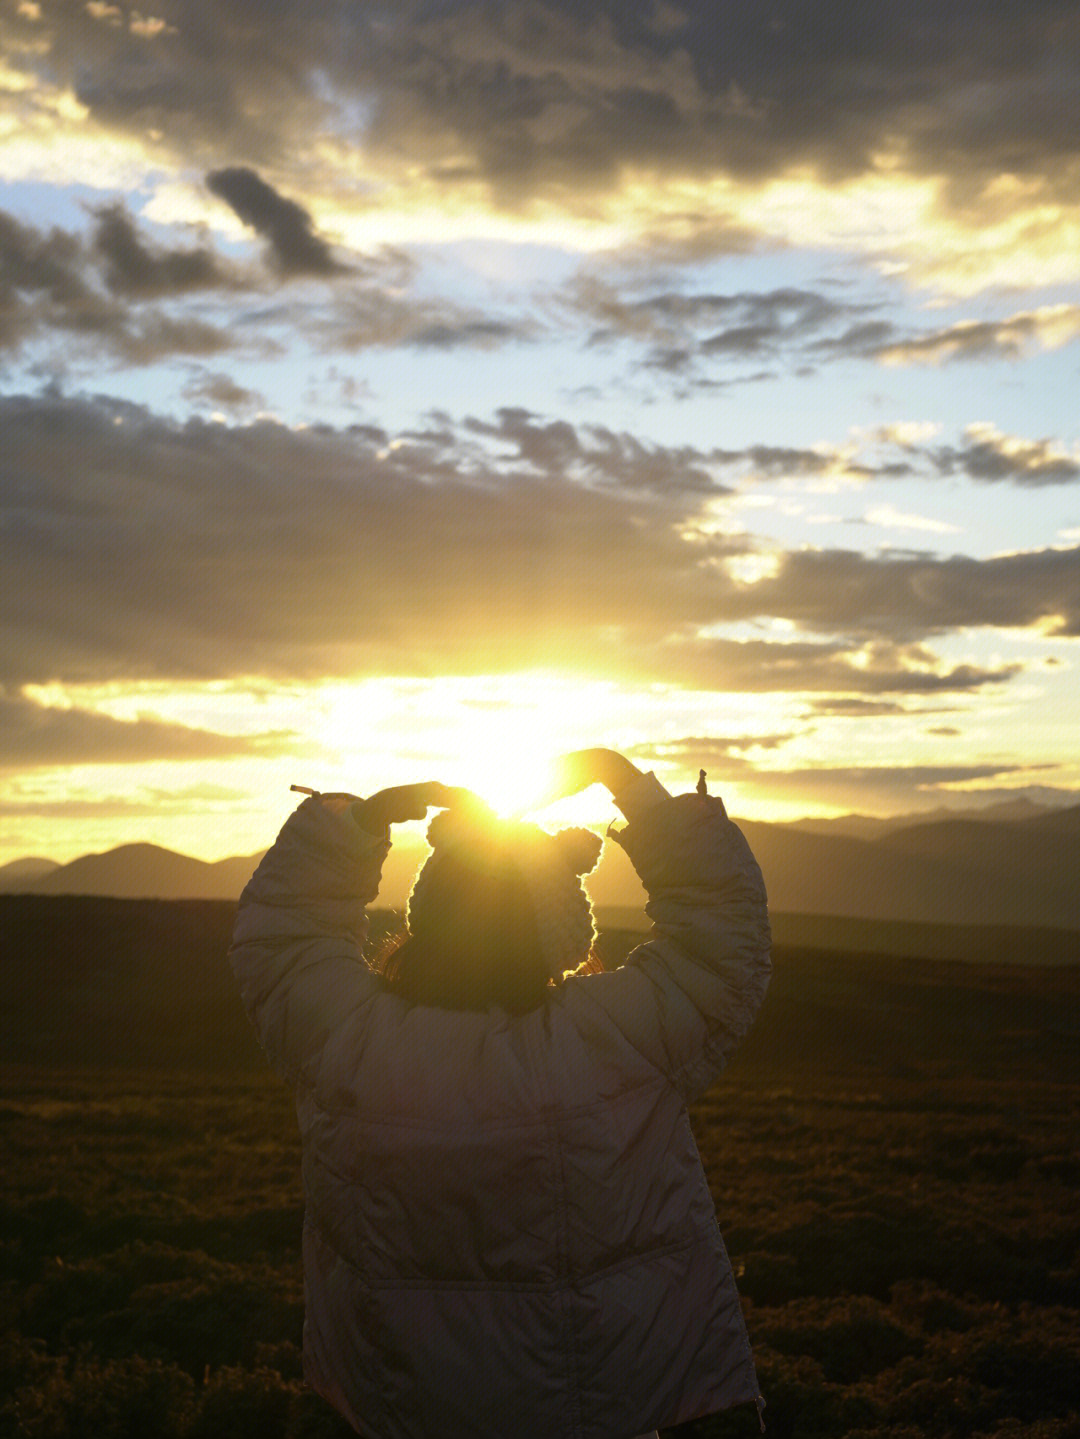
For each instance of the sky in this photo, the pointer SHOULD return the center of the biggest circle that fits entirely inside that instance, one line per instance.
(413, 391)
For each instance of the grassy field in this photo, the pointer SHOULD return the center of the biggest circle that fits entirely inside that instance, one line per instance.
(894, 1158)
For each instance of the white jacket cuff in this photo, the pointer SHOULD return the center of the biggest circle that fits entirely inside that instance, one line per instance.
(640, 796)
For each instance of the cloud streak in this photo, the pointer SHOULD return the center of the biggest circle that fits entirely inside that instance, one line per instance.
(451, 549)
(36, 736)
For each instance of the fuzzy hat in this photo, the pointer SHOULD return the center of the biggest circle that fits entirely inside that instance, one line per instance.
(550, 865)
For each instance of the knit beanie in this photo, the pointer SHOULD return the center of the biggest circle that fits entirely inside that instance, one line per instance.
(550, 865)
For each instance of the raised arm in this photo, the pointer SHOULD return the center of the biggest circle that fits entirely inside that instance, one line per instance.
(301, 922)
(686, 997)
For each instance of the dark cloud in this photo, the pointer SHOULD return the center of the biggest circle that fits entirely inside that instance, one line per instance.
(414, 554)
(994, 458)
(853, 708)
(40, 282)
(905, 596)
(668, 316)
(550, 95)
(560, 100)
(45, 263)
(34, 736)
(596, 453)
(287, 226)
(695, 331)
(114, 293)
(138, 270)
(448, 549)
(865, 339)
(837, 667)
(56, 281)
(223, 391)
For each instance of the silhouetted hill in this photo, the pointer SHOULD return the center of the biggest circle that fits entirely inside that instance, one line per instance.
(17, 876)
(146, 871)
(146, 983)
(1056, 821)
(947, 872)
(956, 870)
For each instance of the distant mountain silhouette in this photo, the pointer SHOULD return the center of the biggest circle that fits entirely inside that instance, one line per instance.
(20, 873)
(146, 871)
(871, 826)
(960, 869)
(952, 871)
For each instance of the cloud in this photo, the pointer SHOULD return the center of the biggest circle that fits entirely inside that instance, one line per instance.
(992, 457)
(221, 390)
(454, 548)
(850, 707)
(694, 332)
(980, 339)
(689, 331)
(669, 317)
(287, 226)
(836, 666)
(56, 281)
(596, 453)
(879, 786)
(135, 269)
(410, 554)
(74, 806)
(116, 293)
(908, 596)
(871, 130)
(35, 736)
(39, 273)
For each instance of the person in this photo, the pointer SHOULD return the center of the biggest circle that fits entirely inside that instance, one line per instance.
(508, 1230)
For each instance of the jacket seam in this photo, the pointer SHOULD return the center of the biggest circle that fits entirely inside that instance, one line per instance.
(545, 1114)
(556, 1285)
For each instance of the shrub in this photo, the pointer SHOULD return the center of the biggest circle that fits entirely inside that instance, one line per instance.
(243, 1404)
(123, 1399)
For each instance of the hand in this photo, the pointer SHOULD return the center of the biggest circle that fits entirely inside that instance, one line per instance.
(407, 801)
(583, 767)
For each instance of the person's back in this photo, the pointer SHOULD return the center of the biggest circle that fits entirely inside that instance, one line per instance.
(508, 1228)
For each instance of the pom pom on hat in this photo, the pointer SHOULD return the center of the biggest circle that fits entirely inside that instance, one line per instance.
(580, 847)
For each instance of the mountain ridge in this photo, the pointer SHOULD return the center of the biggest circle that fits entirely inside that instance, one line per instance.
(955, 870)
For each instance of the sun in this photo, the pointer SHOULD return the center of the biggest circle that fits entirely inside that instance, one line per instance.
(498, 735)
(513, 777)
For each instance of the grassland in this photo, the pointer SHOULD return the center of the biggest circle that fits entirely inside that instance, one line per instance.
(894, 1157)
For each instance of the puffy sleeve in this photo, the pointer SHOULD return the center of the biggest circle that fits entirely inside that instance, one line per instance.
(296, 942)
(685, 998)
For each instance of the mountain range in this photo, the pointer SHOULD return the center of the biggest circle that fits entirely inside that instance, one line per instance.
(1019, 866)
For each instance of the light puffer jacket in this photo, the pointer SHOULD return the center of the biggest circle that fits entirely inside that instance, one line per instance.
(508, 1230)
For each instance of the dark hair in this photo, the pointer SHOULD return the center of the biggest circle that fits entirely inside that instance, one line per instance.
(483, 950)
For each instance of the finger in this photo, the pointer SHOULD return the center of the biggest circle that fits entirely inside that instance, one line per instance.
(572, 772)
(450, 796)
